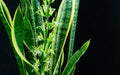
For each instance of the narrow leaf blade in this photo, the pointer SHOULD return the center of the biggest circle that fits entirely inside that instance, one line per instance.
(17, 34)
(72, 33)
(73, 29)
(65, 18)
(7, 21)
(74, 59)
(36, 7)
(28, 36)
(4, 15)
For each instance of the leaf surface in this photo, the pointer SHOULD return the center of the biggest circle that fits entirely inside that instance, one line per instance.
(28, 34)
(17, 34)
(64, 18)
(73, 29)
(75, 58)
(7, 21)
(5, 17)
(72, 33)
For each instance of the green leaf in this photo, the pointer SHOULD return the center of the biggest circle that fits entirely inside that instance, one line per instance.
(75, 58)
(36, 7)
(30, 10)
(7, 21)
(17, 34)
(5, 17)
(29, 14)
(72, 33)
(23, 6)
(56, 70)
(29, 43)
(73, 29)
(65, 18)
(28, 34)
(20, 63)
(71, 72)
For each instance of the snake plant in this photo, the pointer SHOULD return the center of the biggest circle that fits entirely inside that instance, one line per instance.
(38, 34)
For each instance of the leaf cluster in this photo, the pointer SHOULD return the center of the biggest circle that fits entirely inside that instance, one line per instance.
(38, 42)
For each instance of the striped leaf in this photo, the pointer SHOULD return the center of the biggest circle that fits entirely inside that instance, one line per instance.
(7, 21)
(73, 30)
(75, 58)
(30, 10)
(29, 13)
(28, 34)
(72, 33)
(23, 5)
(5, 17)
(17, 34)
(65, 18)
(36, 7)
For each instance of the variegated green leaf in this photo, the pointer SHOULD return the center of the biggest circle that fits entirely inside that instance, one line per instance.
(73, 29)
(28, 34)
(65, 18)
(5, 17)
(7, 21)
(17, 34)
(74, 59)
(72, 32)
(36, 7)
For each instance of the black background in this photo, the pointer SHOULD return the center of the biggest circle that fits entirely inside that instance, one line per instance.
(99, 20)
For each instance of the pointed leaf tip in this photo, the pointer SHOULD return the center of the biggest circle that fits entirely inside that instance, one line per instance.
(75, 58)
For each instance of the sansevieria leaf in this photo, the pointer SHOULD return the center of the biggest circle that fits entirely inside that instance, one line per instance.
(28, 34)
(17, 34)
(5, 17)
(65, 18)
(38, 38)
(73, 29)
(7, 21)
(72, 33)
(74, 59)
(36, 7)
